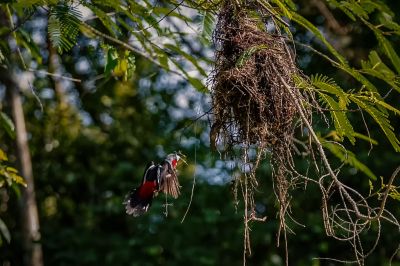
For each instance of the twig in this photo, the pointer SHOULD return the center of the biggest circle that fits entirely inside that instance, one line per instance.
(330, 18)
(21, 58)
(366, 127)
(96, 17)
(15, 37)
(394, 255)
(383, 203)
(273, 14)
(322, 153)
(318, 53)
(194, 179)
(161, 19)
(195, 120)
(16, 27)
(54, 75)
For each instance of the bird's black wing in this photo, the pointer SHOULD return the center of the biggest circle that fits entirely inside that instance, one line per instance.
(148, 168)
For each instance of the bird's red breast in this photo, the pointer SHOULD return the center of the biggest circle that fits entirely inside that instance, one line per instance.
(147, 189)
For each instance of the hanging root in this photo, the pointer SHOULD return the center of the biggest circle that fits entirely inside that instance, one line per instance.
(353, 215)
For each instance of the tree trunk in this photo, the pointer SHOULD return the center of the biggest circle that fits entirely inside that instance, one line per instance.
(29, 211)
(54, 68)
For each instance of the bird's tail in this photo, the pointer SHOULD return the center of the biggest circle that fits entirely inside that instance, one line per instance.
(135, 205)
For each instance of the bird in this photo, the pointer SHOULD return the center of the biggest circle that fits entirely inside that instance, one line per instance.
(157, 177)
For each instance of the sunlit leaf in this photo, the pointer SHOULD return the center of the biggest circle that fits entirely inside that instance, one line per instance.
(3, 156)
(4, 231)
(7, 124)
(349, 158)
(63, 26)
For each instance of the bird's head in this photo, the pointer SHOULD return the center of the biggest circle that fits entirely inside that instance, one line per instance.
(173, 159)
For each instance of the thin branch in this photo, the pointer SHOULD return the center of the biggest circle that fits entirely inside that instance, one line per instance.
(15, 37)
(322, 153)
(318, 53)
(195, 120)
(330, 18)
(96, 17)
(194, 182)
(273, 14)
(161, 19)
(54, 75)
(389, 185)
(16, 27)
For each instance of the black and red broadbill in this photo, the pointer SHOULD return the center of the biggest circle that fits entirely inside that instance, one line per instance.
(161, 177)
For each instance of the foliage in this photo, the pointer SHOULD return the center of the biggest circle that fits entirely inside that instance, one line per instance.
(63, 26)
(9, 176)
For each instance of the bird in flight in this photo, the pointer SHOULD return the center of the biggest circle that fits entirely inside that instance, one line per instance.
(157, 177)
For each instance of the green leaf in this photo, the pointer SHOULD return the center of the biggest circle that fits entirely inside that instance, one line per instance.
(380, 118)
(111, 60)
(63, 26)
(163, 59)
(309, 26)
(105, 20)
(342, 64)
(355, 8)
(206, 26)
(25, 39)
(366, 138)
(376, 63)
(386, 19)
(348, 158)
(248, 53)
(386, 47)
(3, 156)
(371, 187)
(7, 124)
(16, 178)
(291, 4)
(163, 11)
(373, 5)
(4, 231)
(121, 64)
(376, 68)
(190, 58)
(327, 84)
(141, 36)
(375, 101)
(340, 120)
(146, 14)
(284, 9)
(130, 56)
(197, 84)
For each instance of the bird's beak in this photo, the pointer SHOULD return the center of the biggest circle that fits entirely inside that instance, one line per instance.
(181, 159)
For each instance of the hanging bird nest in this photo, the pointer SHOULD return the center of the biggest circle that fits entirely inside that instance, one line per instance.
(253, 90)
(250, 103)
(257, 107)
